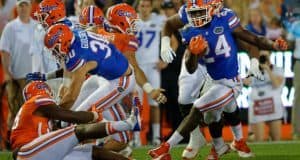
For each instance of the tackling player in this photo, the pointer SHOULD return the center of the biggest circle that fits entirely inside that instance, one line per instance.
(212, 36)
(33, 137)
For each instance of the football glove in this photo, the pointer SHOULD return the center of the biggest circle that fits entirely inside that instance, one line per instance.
(166, 52)
(198, 45)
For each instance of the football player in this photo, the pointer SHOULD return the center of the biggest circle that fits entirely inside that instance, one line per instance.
(92, 19)
(33, 137)
(116, 16)
(212, 37)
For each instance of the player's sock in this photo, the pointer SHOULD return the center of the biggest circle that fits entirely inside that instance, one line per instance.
(234, 120)
(218, 143)
(156, 130)
(197, 138)
(175, 139)
(237, 131)
(117, 126)
(215, 130)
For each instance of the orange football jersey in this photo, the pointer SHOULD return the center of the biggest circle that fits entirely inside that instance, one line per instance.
(123, 42)
(27, 126)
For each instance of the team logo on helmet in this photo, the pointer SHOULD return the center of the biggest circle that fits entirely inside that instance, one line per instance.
(53, 39)
(48, 8)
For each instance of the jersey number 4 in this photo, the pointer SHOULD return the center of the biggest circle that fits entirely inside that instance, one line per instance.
(222, 46)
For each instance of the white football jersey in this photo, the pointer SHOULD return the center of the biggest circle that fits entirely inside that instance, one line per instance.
(149, 38)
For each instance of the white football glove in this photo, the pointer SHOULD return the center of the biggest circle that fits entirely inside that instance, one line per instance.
(254, 70)
(166, 52)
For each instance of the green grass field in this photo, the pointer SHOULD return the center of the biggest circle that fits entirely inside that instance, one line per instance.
(287, 150)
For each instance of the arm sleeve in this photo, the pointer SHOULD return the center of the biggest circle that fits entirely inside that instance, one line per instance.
(74, 61)
(231, 19)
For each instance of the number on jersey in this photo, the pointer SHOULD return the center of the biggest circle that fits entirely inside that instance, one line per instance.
(146, 38)
(99, 43)
(222, 46)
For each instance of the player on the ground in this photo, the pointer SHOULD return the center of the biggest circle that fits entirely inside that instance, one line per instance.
(213, 37)
(33, 136)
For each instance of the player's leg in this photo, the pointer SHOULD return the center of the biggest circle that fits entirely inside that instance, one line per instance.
(88, 87)
(57, 144)
(215, 98)
(215, 125)
(108, 94)
(54, 145)
(188, 124)
(103, 129)
(213, 102)
(105, 154)
(275, 129)
(117, 142)
(189, 90)
(80, 152)
(232, 115)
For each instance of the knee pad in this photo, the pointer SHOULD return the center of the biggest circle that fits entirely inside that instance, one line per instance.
(233, 118)
(185, 109)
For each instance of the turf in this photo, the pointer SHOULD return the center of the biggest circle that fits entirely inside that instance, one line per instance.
(263, 151)
(287, 150)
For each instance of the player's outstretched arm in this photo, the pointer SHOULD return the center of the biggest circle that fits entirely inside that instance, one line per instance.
(55, 112)
(252, 50)
(259, 41)
(142, 81)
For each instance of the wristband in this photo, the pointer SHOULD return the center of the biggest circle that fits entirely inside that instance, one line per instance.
(96, 116)
(147, 88)
(165, 40)
(50, 75)
(254, 62)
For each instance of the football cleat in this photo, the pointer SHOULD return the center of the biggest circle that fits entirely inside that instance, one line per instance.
(159, 151)
(242, 148)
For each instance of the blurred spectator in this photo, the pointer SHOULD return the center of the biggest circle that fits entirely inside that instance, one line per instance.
(169, 75)
(42, 59)
(34, 5)
(6, 7)
(177, 3)
(16, 59)
(265, 100)
(256, 24)
(148, 57)
(294, 36)
(270, 9)
(274, 29)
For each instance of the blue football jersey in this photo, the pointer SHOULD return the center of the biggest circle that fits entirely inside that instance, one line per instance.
(89, 46)
(221, 58)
